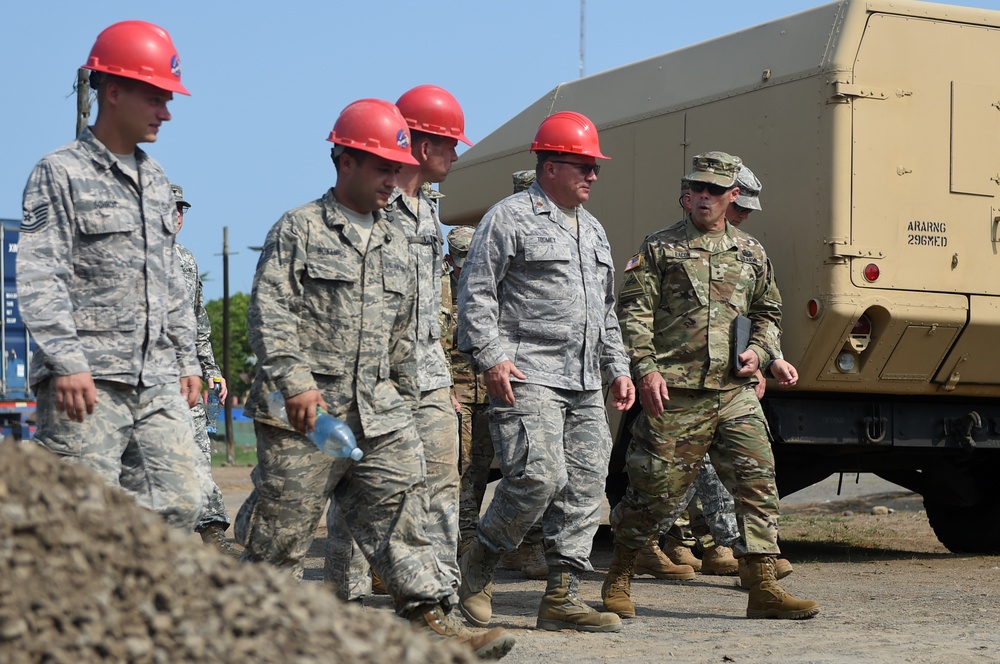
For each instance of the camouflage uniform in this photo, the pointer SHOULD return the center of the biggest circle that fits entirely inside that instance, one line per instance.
(712, 513)
(100, 290)
(682, 292)
(215, 511)
(539, 293)
(328, 314)
(434, 417)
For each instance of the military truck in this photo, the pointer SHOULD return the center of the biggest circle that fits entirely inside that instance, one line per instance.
(17, 405)
(875, 129)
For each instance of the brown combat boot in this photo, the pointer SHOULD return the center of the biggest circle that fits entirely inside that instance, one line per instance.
(378, 588)
(680, 554)
(651, 560)
(617, 589)
(719, 561)
(491, 644)
(768, 599)
(562, 608)
(215, 534)
(533, 565)
(782, 568)
(475, 592)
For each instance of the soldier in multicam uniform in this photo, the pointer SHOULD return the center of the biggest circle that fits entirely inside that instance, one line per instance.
(537, 315)
(682, 292)
(436, 124)
(214, 521)
(101, 291)
(331, 321)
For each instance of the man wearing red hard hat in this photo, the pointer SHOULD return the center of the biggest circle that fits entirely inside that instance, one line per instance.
(331, 322)
(537, 315)
(101, 291)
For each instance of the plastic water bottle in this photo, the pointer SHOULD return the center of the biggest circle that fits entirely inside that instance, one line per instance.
(330, 434)
(213, 409)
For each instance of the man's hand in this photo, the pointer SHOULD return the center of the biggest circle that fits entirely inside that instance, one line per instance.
(652, 393)
(761, 386)
(76, 395)
(223, 388)
(301, 410)
(455, 403)
(784, 372)
(751, 363)
(191, 389)
(623, 393)
(497, 380)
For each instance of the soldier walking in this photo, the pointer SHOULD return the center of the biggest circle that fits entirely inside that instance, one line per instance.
(537, 315)
(682, 292)
(101, 291)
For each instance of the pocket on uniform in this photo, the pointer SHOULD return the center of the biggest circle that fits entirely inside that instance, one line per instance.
(104, 319)
(546, 249)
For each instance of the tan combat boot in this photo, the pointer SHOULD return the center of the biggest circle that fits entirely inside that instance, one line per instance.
(378, 588)
(475, 592)
(719, 561)
(215, 534)
(617, 589)
(491, 644)
(782, 568)
(651, 560)
(533, 565)
(768, 599)
(562, 608)
(680, 554)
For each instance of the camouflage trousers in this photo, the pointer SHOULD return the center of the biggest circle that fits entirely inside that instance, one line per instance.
(138, 438)
(666, 454)
(712, 514)
(553, 447)
(215, 510)
(346, 568)
(382, 496)
(477, 457)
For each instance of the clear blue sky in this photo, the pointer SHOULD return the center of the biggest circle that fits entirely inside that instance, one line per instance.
(268, 79)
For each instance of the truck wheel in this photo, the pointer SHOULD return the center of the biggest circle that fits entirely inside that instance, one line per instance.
(965, 528)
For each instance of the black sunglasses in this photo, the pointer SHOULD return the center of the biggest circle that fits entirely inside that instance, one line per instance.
(714, 189)
(585, 169)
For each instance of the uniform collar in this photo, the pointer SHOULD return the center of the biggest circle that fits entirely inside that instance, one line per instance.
(100, 153)
(695, 236)
(541, 204)
(334, 218)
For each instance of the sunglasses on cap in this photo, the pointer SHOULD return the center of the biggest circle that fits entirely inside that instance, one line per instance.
(585, 169)
(714, 189)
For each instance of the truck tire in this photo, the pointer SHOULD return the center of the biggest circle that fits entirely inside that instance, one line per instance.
(966, 528)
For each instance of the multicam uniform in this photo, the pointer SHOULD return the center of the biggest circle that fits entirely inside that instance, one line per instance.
(539, 292)
(100, 290)
(215, 511)
(681, 293)
(328, 314)
(434, 417)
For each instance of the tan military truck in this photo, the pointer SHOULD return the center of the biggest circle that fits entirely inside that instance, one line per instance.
(875, 128)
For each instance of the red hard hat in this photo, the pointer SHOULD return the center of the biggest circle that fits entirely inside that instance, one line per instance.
(567, 132)
(375, 126)
(138, 50)
(433, 110)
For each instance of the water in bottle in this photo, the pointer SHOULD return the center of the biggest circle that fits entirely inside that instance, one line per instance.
(213, 409)
(330, 434)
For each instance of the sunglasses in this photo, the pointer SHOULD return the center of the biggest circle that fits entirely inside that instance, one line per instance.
(714, 189)
(585, 169)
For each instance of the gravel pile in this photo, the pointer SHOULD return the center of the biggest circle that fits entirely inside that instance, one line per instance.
(86, 575)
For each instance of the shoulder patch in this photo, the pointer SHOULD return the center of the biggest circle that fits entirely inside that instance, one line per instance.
(633, 262)
(35, 219)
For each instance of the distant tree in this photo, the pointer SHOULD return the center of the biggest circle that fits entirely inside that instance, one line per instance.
(242, 361)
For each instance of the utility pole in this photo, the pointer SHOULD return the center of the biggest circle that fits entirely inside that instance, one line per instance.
(583, 47)
(230, 441)
(82, 100)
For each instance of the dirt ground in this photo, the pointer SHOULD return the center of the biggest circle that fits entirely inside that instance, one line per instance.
(889, 591)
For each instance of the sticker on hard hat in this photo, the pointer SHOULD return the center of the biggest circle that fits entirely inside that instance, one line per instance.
(402, 140)
(175, 66)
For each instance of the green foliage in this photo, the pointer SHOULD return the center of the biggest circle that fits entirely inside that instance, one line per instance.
(242, 361)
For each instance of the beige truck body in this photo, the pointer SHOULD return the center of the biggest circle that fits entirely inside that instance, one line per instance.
(875, 129)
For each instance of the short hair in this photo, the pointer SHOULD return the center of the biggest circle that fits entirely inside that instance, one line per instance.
(543, 156)
(338, 151)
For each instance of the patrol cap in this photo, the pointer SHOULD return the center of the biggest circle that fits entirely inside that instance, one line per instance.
(523, 179)
(459, 239)
(714, 168)
(750, 188)
(179, 195)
